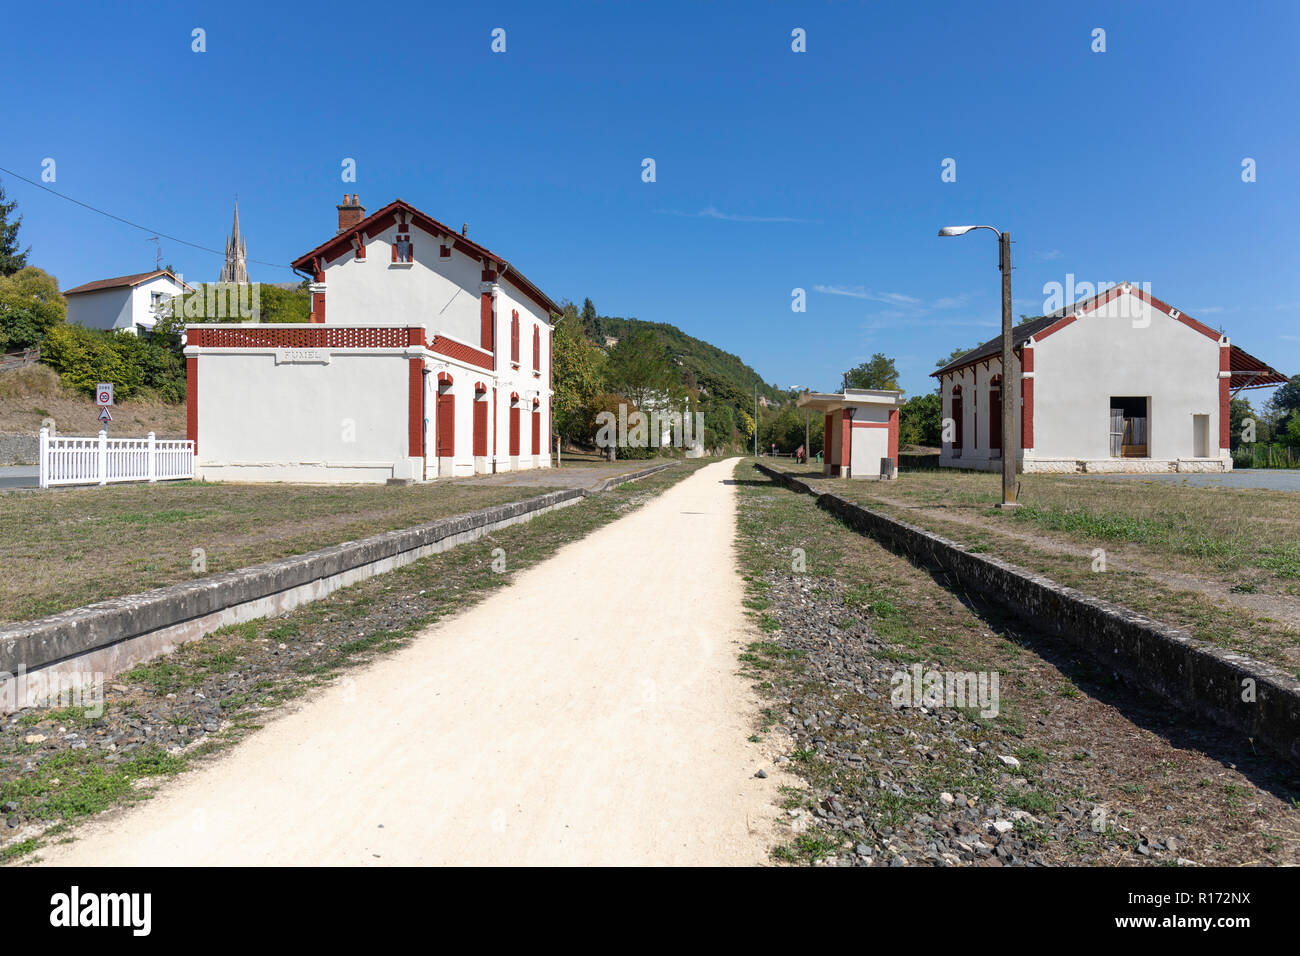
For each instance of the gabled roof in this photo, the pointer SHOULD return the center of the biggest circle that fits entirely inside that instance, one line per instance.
(1044, 325)
(380, 220)
(122, 282)
(1020, 334)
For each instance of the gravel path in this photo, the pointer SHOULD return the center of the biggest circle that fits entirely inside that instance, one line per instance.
(486, 743)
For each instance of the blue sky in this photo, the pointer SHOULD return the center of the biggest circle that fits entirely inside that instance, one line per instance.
(775, 170)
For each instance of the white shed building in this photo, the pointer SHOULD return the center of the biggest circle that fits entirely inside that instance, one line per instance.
(427, 356)
(861, 431)
(1117, 382)
(130, 303)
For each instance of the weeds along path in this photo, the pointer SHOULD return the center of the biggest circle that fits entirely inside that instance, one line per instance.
(1071, 767)
(589, 712)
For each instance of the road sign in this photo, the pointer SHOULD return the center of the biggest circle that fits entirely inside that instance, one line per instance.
(105, 416)
(104, 394)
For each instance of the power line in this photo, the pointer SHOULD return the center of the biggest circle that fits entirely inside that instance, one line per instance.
(135, 225)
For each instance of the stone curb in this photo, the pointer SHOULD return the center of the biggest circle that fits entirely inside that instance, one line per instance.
(609, 483)
(112, 636)
(1205, 680)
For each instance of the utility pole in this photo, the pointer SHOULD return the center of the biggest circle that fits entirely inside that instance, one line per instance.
(1010, 376)
(1010, 381)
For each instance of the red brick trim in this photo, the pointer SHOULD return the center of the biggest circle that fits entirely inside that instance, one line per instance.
(462, 352)
(305, 337)
(893, 435)
(1055, 327)
(192, 400)
(1027, 414)
(1225, 398)
(846, 440)
(1026, 399)
(415, 409)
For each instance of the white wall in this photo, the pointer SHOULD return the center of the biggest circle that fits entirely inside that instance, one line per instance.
(440, 294)
(976, 412)
(142, 314)
(295, 425)
(105, 309)
(1114, 352)
(869, 446)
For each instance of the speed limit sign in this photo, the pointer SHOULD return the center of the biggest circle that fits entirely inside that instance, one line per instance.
(104, 394)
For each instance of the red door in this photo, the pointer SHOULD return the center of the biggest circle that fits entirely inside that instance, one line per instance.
(514, 429)
(480, 426)
(957, 420)
(995, 413)
(446, 424)
(537, 432)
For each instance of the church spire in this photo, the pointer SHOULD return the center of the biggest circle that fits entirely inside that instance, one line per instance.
(236, 267)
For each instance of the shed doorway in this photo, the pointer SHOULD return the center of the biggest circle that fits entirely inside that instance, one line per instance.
(1129, 427)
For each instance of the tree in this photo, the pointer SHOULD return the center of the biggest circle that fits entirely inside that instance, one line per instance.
(1238, 411)
(11, 260)
(919, 420)
(953, 356)
(591, 322)
(1287, 398)
(578, 369)
(30, 305)
(641, 370)
(878, 372)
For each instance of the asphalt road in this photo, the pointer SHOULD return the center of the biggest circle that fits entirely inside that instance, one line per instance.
(18, 476)
(1270, 479)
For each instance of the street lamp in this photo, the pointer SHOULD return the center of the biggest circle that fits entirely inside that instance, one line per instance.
(1010, 377)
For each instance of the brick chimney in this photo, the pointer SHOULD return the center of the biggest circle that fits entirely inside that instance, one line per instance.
(351, 212)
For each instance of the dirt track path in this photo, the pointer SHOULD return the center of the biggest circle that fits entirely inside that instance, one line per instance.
(484, 742)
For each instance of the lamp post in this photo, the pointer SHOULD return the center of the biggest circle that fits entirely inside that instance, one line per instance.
(755, 421)
(1010, 376)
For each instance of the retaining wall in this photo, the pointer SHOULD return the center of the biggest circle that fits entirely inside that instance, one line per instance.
(80, 645)
(1206, 681)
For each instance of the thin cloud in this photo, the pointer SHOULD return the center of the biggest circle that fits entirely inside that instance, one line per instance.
(861, 292)
(1048, 254)
(713, 212)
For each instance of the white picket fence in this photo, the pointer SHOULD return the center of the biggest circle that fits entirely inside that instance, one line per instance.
(101, 460)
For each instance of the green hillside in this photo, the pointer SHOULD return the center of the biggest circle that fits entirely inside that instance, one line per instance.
(719, 374)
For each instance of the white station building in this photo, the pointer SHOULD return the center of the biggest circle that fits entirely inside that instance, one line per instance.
(1117, 382)
(427, 356)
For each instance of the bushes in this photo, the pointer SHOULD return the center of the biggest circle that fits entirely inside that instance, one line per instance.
(134, 364)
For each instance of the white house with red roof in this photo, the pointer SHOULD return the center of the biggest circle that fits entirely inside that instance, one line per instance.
(1117, 382)
(427, 356)
(130, 303)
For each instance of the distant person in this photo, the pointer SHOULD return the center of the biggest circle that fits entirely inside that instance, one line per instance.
(799, 456)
